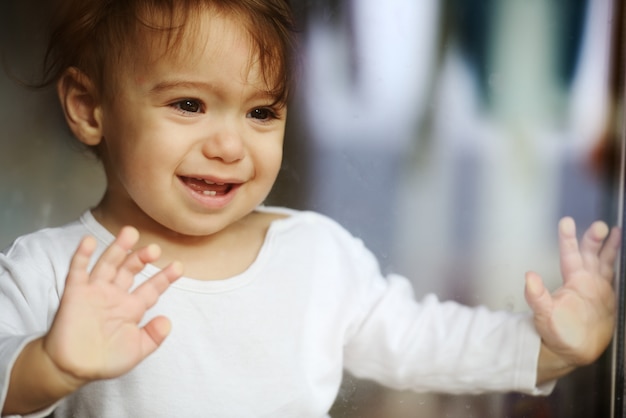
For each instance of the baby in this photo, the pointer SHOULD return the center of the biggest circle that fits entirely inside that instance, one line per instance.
(184, 102)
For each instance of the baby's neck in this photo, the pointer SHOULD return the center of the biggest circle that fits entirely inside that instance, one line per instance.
(222, 255)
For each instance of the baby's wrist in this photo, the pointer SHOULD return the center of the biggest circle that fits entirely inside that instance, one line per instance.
(551, 365)
(63, 379)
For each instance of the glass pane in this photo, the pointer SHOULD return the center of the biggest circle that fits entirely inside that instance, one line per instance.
(449, 135)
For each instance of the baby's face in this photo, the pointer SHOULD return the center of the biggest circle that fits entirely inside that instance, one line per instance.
(191, 138)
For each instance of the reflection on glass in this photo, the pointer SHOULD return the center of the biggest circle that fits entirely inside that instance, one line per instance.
(451, 136)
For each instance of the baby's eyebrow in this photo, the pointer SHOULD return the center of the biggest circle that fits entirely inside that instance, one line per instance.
(163, 86)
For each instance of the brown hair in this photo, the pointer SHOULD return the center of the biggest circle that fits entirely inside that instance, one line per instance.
(96, 35)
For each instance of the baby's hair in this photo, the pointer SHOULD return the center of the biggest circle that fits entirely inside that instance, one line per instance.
(96, 36)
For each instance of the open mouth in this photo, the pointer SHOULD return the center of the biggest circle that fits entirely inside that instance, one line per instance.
(207, 187)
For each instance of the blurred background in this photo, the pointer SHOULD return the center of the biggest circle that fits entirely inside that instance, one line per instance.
(451, 135)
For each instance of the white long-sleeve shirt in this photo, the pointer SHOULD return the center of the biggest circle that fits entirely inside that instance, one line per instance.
(274, 340)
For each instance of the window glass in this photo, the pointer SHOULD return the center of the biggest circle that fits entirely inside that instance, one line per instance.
(449, 135)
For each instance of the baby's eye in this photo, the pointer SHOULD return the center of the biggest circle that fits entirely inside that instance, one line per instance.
(262, 114)
(188, 106)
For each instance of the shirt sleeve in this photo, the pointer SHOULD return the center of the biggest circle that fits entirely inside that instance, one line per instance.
(440, 346)
(27, 305)
(10, 347)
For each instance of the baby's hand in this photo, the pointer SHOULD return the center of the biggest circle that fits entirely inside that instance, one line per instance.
(95, 333)
(576, 321)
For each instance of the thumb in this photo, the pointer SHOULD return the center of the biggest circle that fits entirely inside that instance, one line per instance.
(537, 296)
(155, 332)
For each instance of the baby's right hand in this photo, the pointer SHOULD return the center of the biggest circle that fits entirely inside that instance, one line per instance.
(95, 333)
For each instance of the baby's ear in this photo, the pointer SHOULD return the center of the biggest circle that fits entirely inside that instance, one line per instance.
(79, 100)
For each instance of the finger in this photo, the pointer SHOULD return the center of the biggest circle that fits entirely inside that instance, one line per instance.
(134, 263)
(591, 243)
(570, 258)
(537, 296)
(150, 290)
(107, 265)
(80, 260)
(155, 331)
(609, 252)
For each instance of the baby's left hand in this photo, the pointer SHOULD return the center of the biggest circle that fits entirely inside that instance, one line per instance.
(576, 321)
